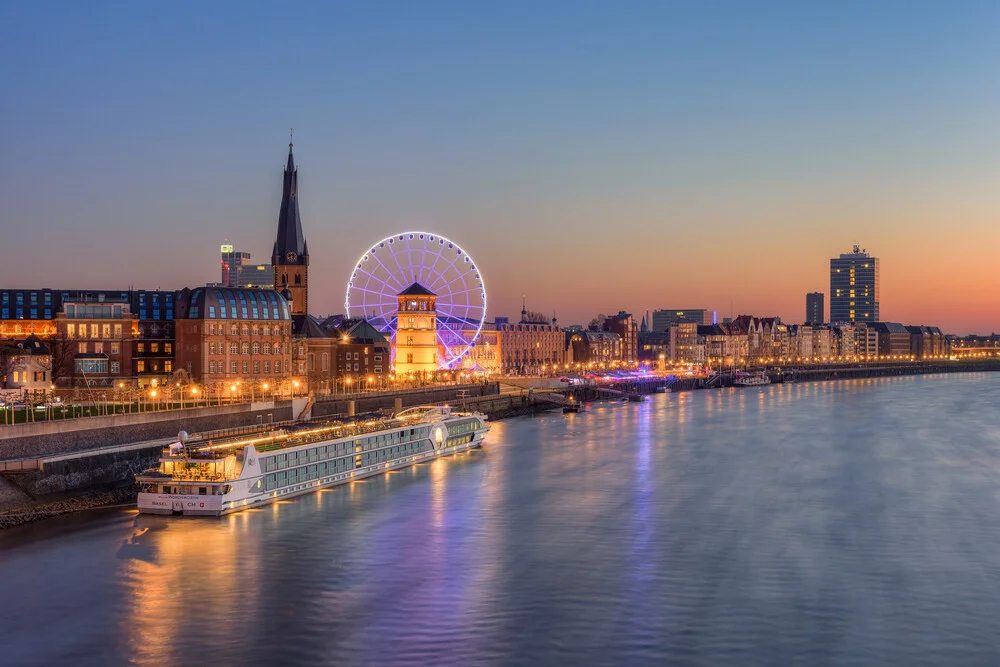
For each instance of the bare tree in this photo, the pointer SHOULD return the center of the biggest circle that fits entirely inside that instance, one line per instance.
(535, 316)
(598, 321)
(62, 348)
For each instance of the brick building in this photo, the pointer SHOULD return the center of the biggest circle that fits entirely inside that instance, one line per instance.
(228, 335)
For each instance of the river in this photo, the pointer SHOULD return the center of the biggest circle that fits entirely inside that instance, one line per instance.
(840, 523)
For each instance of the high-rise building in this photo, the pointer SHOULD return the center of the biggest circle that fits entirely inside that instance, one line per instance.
(239, 272)
(814, 308)
(854, 293)
(290, 257)
(662, 319)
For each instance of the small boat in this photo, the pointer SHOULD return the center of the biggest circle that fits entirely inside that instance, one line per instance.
(573, 407)
(755, 379)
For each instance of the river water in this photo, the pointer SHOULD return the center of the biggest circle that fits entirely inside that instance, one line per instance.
(840, 523)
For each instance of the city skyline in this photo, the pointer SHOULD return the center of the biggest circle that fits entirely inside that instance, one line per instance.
(681, 183)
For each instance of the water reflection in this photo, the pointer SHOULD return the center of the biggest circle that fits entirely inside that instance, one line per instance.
(853, 522)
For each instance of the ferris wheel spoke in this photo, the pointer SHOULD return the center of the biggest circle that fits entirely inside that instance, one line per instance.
(471, 325)
(441, 275)
(402, 271)
(390, 274)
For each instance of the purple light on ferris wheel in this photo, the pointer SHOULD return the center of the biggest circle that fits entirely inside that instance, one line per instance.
(437, 263)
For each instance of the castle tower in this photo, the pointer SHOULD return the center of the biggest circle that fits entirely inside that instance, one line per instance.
(416, 331)
(290, 257)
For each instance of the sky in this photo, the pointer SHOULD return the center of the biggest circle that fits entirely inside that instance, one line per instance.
(593, 156)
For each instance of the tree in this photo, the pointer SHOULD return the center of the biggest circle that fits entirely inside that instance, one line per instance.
(597, 322)
(535, 317)
(62, 348)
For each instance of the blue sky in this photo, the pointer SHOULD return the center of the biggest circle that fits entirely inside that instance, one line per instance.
(680, 154)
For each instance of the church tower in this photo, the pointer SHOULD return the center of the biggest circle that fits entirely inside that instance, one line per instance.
(290, 257)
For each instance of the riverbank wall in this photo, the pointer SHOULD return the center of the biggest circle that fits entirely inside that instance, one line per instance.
(50, 468)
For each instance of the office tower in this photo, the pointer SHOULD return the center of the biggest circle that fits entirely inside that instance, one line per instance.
(854, 293)
(814, 308)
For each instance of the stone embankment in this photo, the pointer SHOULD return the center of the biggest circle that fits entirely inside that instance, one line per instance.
(72, 463)
(46, 510)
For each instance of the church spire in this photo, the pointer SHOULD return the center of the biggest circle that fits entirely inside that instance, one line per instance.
(290, 245)
(290, 257)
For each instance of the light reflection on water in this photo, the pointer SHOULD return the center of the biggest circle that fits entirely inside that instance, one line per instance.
(852, 522)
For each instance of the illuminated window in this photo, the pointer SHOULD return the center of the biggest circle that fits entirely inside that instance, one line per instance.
(154, 347)
(83, 348)
(140, 366)
(118, 331)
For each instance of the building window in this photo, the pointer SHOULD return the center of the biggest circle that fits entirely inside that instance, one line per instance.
(256, 348)
(116, 367)
(312, 362)
(140, 366)
(115, 348)
(267, 367)
(106, 331)
(99, 348)
(234, 368)
(355, 368)
(94, 366)
(256, 368)
(245, 348)
(409, 340)
(409, 357)
(211, 367)
(82, 348)
(326, 361)
(70, 330)
(168, 366)
(246, 367)
(234, 348)
(154, 347)
(140, 347)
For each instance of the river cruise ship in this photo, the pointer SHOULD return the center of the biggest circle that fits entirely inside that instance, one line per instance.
(212, 478)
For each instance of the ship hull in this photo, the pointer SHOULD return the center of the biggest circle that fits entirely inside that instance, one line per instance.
(208, 505)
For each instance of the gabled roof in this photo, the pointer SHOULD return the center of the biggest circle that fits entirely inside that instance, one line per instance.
(890, 327)
(32, 345)
(306, 326)
(416, 289)
(359, 330)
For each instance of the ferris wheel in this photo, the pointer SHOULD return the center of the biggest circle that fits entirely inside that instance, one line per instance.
(438, 264)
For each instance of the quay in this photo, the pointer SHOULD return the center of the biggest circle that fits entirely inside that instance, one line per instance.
(51, 468)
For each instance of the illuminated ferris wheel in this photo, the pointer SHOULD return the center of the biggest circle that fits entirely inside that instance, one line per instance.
(438, 264)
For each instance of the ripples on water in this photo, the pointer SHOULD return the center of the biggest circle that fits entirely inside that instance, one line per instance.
(847, 523)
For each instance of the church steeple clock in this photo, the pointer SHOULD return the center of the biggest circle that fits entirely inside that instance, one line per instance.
(290, 257)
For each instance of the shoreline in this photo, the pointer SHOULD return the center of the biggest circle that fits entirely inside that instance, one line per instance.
(123, 495)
